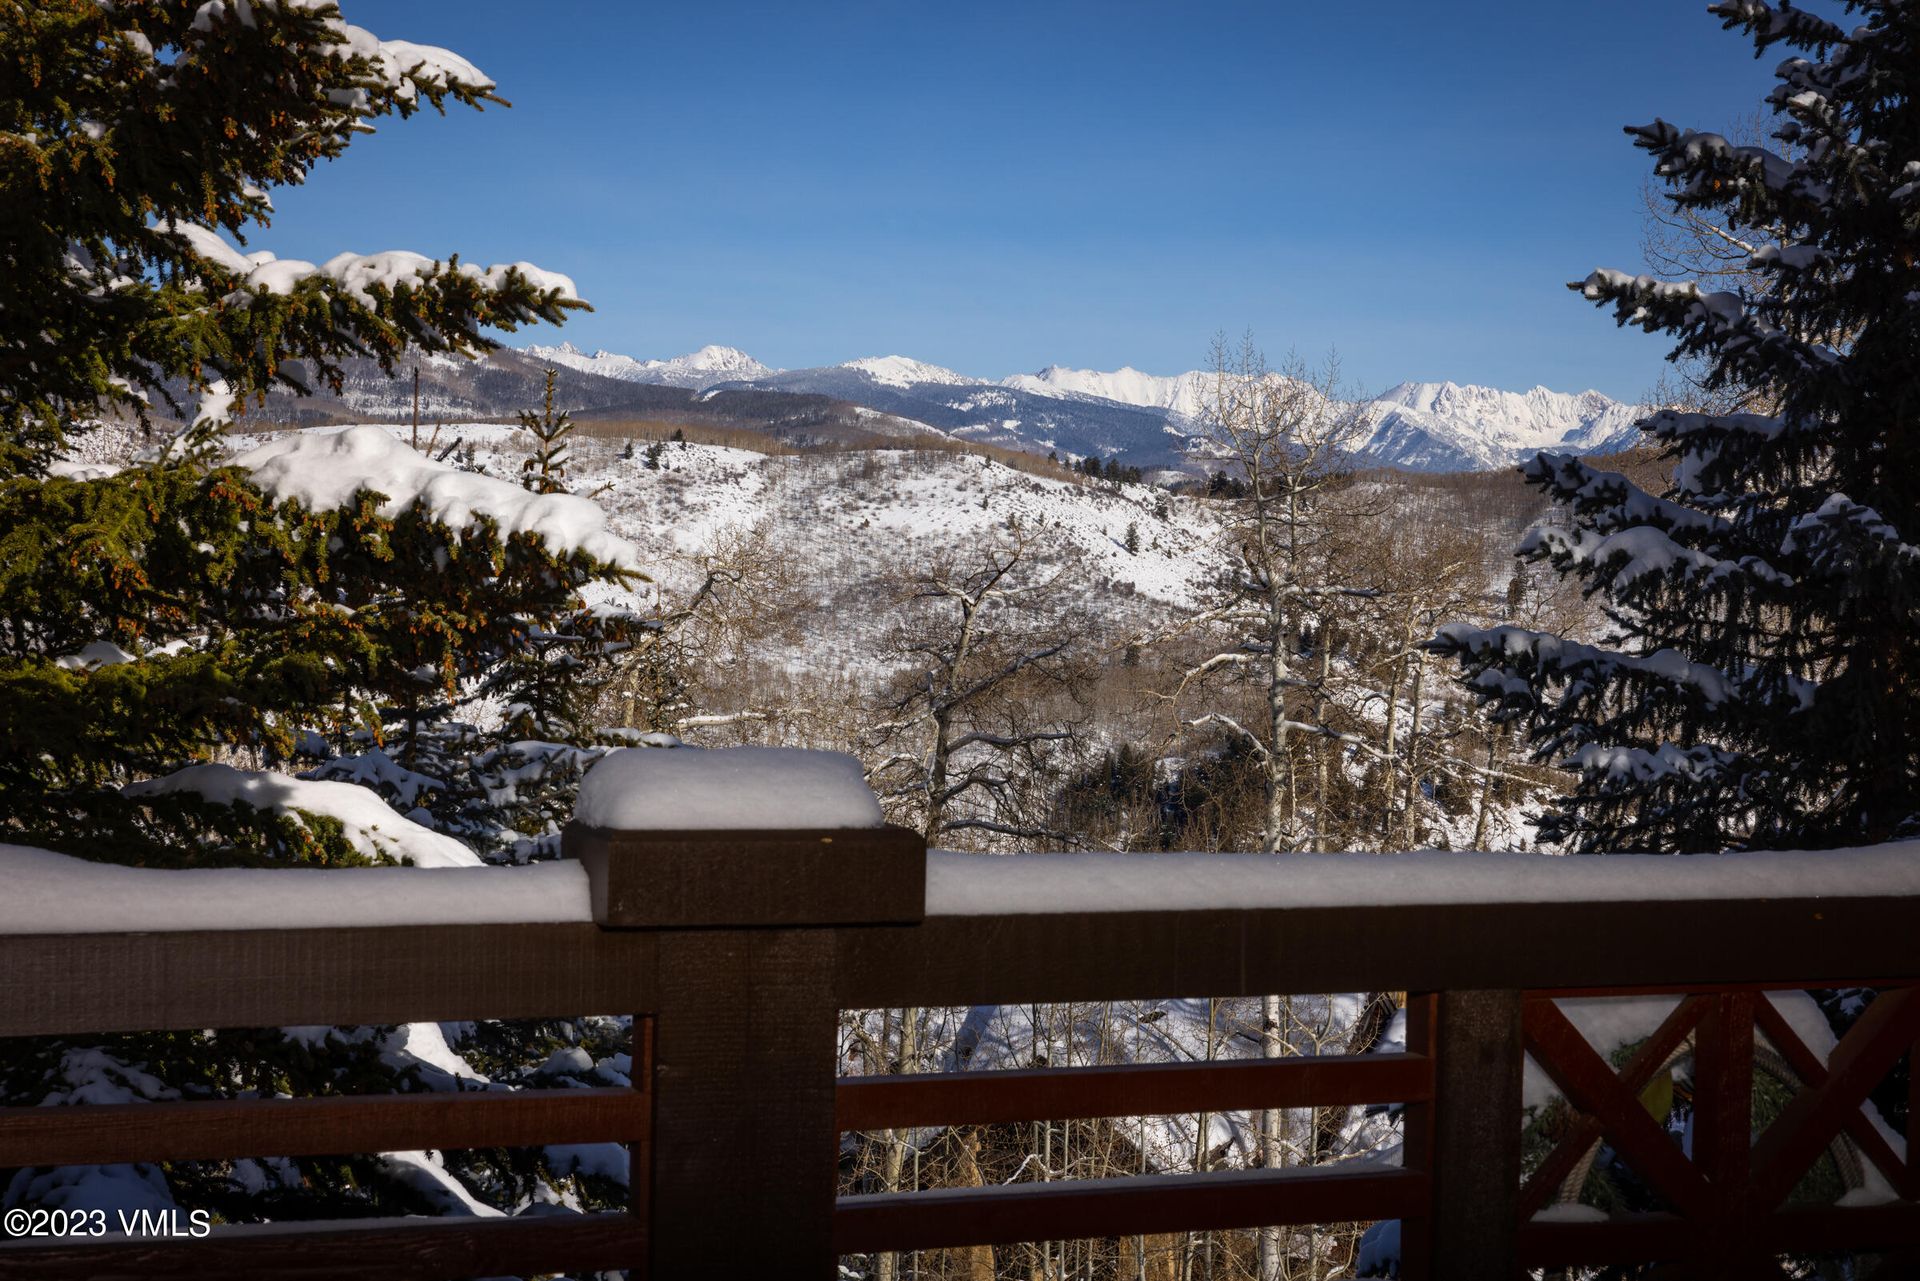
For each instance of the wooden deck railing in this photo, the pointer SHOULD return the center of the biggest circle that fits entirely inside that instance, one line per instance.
(736, 952)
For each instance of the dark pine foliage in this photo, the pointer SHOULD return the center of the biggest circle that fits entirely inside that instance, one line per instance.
(1758, 684)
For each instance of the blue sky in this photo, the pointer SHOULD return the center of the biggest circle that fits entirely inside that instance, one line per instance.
(1000, 187)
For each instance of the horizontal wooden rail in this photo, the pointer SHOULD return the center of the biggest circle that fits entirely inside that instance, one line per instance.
(88, 983)
(745, 1060)
(108, 1134)
(71, 984)
(1078, 1209)
(1159, 1089)
(388, 1248)
(1651, 1238)
(1083, 956)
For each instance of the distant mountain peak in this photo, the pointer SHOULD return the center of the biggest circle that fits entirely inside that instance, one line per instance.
(1424, 426)
(696, 370)
(715, 356)
(904, 371)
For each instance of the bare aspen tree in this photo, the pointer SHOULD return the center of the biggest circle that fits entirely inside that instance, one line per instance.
(985, 710)
(668, 681)
(1426, 573)
(1286, 435)
(1717, 252)
(982, 714)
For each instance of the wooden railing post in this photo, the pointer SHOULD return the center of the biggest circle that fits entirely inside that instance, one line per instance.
(1468, 1138)
(741, 1171)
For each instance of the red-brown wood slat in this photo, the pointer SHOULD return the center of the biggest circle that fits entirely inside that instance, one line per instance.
(1095, 1208)
(1813, 1074)
(1639, 1238)
(1654, 1237)
(1590, 1085)
(82, 984)
(1585, 1130)
(387, 1248)
(1849, 1228)
(1158, 1089)
(1417, 1139)
(106, 1134)
(1723, 1126)
(1913, 1115)
(1813, 1116)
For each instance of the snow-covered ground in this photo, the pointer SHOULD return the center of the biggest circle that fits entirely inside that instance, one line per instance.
(843, 535)
(853, 525)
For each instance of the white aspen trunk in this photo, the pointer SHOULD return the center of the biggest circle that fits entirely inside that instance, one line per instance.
(893, 1164)
(1325, 746)
(1486, 790)
(1272, 1046)
(1388, 746)
(1413, 746)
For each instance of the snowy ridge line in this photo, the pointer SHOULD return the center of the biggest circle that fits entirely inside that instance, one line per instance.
(1142, 418)
(1006, 885)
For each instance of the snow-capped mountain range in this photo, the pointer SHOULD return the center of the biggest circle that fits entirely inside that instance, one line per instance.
(1140, 418)
(697, 370)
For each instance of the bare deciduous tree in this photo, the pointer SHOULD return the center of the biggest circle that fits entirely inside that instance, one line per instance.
(666, 682)
(976, 726)
(1286, 435)
(983, 714)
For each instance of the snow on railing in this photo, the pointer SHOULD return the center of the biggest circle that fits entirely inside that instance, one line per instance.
(48, 893)
(736, 901)
(998, 885)
(730, 788)
(763, 791)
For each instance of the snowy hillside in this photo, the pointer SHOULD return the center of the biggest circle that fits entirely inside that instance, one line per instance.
(988, 412)
(851, 526)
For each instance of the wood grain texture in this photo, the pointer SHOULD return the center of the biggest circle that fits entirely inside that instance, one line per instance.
(1589, 1083)
(1583, 1131)
(1651, 1237)
(744, 1147)
(1810, 1119)
(217, 1129)
(77, 983)
(1813, 1073)
(1475, 1157)
(1639, 1238)
(967, 960)
(427, 1249)
(1417, 1138)
(1149, 1204)
(1723, 1127)
(708, 880)
(1159, 1089)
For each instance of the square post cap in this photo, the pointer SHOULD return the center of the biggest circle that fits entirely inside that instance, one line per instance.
(693, 838)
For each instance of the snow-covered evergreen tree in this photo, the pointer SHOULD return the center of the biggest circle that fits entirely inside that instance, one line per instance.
(176, 634)
(1757, 688)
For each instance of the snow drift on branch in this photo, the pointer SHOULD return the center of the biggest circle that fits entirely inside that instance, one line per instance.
(325, 470)
(369, 824)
